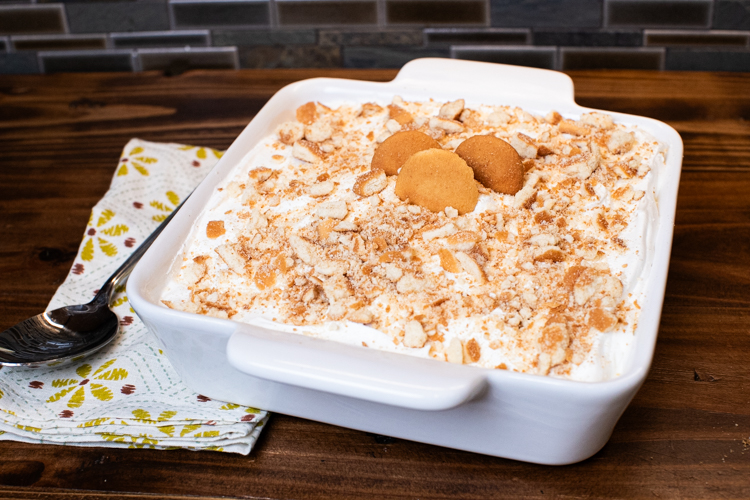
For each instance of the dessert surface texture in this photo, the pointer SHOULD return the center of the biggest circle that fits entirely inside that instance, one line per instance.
(473, 234)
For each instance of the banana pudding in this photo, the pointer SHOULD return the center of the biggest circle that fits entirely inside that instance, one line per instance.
(475, 234)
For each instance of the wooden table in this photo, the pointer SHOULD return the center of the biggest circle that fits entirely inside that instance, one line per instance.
(60, 139)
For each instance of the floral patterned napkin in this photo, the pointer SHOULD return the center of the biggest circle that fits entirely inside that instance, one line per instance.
(126, 395)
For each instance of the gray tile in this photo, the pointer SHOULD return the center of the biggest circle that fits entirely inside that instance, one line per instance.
(546, 13)
(489, 36)
(708, 60)
(263, 37)
(195, 38)
(663, 38)
(588, 38)
(371, 37)
(535, 57)
(59, 42)
(658, 13)
(732, 14)
(209, 13)
(28, 19)
(291, 56)
(100, 1)
(386, 57)
(86, 61)
(436, 12)
(176, 61)
(572, 58)
(19, 63)
(326, 13)
(105, 17)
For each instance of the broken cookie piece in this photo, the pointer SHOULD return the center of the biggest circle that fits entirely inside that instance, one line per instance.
(370, 183)
(307, 151)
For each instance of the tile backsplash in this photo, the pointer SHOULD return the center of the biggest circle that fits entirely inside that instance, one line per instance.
(47, 36)
(204, 14)
(326, 13)
(654, 14)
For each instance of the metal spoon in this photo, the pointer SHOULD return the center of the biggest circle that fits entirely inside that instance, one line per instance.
(56, 337)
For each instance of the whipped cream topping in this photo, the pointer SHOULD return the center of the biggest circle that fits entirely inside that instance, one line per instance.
(545, 281)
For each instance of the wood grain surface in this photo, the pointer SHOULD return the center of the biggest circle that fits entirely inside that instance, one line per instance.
(682, 437)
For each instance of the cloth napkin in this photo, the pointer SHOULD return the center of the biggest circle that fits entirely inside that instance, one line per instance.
(126, 395)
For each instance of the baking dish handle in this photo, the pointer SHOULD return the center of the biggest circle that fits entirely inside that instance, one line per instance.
(506, 80)
(357, 372)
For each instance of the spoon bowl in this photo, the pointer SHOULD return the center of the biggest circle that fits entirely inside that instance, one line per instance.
(70, 333)
(54, 337)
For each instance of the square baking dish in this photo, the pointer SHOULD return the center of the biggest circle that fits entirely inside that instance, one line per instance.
(496, 412)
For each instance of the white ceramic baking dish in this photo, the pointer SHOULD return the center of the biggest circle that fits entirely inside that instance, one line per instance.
(496, 412)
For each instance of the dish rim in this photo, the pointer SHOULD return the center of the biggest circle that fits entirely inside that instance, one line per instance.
(417, 76)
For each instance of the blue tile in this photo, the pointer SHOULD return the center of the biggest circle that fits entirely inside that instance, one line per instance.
(386, 57)
(263, 37)
(686, 38)
(579, 58)
(546, 13)
(207, 13)
(31, 19)
(371, 37)
(19, 63)
(176, 61)
(327, 12)
(588, 38)
(708, 60)
(59, 42)
(160, 39)
(436, 12)
(104, 17)
(487, 36)
(290, 56)
(534, 57)
(86, 61)
(658, 13)
(732, 14)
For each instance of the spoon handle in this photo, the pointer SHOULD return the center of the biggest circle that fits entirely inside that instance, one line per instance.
(121, 274)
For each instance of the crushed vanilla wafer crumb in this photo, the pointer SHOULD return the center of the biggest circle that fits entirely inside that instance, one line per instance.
(318, 235)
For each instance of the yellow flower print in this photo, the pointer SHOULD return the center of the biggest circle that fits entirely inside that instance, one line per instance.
(95, 422)
(202, 153)
(140, 441)
(188, 429)
(145, 417)
(98, 390)
(121, 299)
(192, 427)
(173, 198)
(106, 246)
(207, 434)
(139, 162)
(251, 413)
(27, 428)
